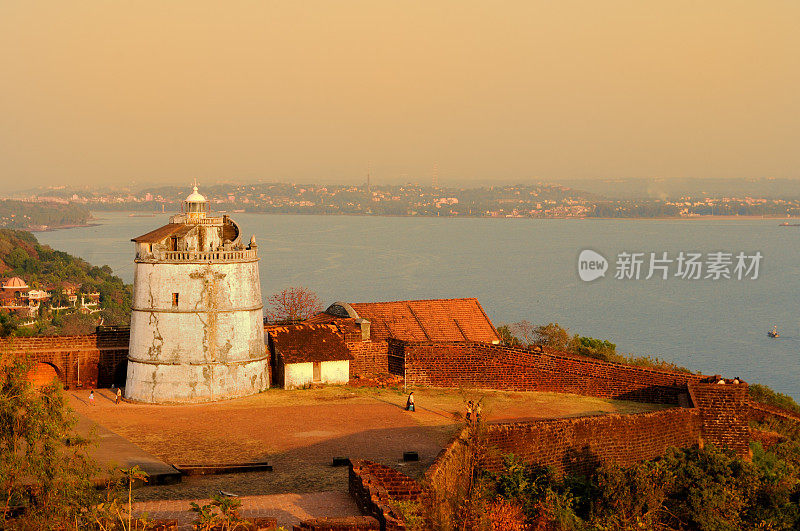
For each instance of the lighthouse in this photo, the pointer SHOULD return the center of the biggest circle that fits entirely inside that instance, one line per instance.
(197, 331)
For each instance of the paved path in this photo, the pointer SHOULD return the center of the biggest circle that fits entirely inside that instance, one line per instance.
(289, 509)
(112, 450)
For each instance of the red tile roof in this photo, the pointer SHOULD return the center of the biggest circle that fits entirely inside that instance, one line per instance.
(303, 343)
(15, 283)
(162, 233)
(424, 320)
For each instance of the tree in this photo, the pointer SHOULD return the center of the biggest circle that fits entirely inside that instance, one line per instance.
(8, 324)
(77, 324)
(524, 331)
(293, 304)
(600, 349)
(552, 335)
(507, 336)
(51, 478)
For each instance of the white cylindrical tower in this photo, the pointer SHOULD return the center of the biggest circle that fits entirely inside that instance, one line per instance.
(197, 331)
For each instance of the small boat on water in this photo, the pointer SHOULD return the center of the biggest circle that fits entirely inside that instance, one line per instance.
(774, 332)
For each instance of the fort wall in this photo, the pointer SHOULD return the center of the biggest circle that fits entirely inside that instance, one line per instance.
(569, 445)
(578, 445)
(724, 414)
(94, 360)
(487, 366)
(376, 490)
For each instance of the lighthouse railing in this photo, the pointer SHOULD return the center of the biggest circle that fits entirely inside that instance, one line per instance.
(207, 256)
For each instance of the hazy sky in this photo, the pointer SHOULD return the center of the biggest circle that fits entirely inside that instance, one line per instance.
(169, 90)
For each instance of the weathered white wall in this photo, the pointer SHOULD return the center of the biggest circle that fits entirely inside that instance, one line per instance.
(335, 372)
(302, 374)
(209, 347)
(164, 384)
(297, 375)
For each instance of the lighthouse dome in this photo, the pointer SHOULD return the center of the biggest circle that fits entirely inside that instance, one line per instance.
(195, 205)
(195, 197)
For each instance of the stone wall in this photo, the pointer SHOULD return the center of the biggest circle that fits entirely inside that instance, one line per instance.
(94, 360)
(396, 357)
(759, 412)
(486, 366)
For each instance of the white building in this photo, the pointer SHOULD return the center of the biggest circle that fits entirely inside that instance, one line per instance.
(196, 328)
(309, 354)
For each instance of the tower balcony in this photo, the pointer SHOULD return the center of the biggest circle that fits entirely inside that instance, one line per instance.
(220, 256)
(191, 219)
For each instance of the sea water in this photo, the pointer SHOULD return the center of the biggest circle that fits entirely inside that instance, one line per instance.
(527, 269)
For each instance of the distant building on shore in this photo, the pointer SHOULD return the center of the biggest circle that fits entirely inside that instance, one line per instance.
(196, 327)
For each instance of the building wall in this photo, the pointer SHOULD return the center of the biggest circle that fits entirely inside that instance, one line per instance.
(302, 374)
(208, 347)
(335, 372)
(369, 357)
(297, 374)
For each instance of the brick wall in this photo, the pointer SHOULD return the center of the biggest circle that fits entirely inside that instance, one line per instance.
(724, 413)
(487, 366)
(369, 357)
(375, 489)
(577, 445)
(573, 445)
(94, 360)
(347, 523)
(760, 412)
(396, 357)
(449, 477)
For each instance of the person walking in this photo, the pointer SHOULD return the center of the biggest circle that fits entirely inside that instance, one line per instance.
(469, 411)
(410, 402)
(478, 411)
(118, 397)
(91, 397)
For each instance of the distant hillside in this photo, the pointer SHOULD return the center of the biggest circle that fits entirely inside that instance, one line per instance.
(41, 215)
(54, 271)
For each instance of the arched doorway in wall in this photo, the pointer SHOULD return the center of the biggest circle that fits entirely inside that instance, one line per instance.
(121, 373)
(42, 374)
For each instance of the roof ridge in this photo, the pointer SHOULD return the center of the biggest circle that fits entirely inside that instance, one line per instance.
(419, 300)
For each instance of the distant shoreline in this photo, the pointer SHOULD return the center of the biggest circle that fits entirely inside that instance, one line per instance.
(138, 213)
(62, 227)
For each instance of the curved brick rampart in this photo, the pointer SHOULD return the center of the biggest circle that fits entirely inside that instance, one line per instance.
(759, 411)
(487, 366)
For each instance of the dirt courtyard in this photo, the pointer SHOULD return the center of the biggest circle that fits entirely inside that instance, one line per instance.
(300, 432)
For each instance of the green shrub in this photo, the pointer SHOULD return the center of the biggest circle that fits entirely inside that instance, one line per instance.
(705, 489)
(765, 395)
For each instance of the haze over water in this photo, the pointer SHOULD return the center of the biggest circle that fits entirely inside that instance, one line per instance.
(316, 91)
(527, 269)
